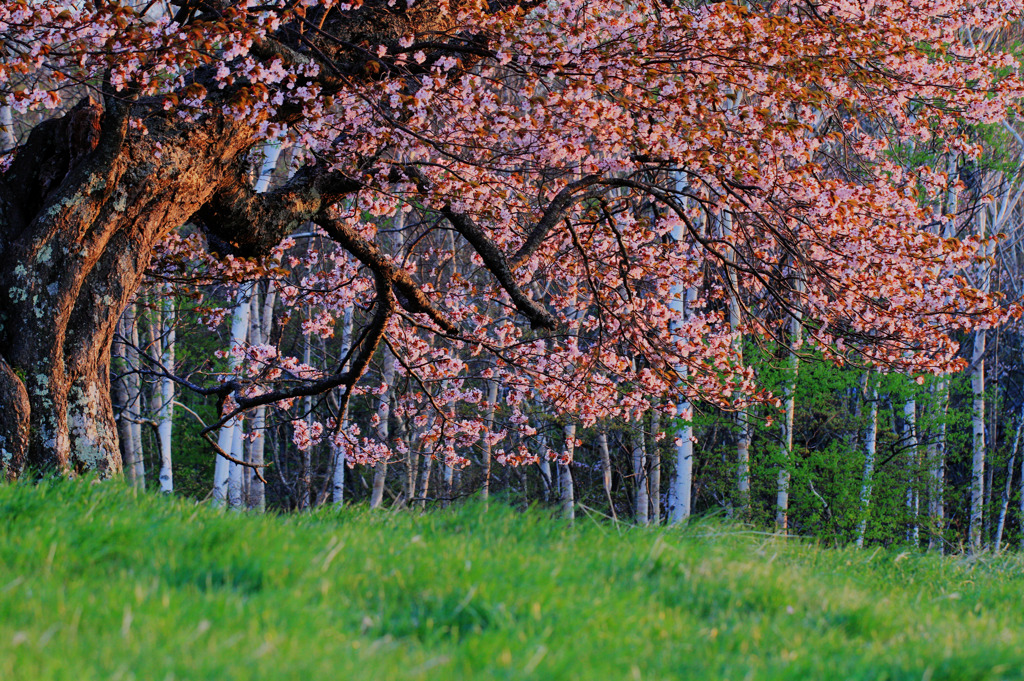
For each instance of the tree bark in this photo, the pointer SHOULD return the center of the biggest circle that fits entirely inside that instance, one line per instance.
(226, 437)
(640, 480)
(81, 207)
(913, 465)
(492, 402)
(655, 467)
(380, 470)
(165, 390)
(782, 485)
(606, 468)
(568, 502)
(870, 440)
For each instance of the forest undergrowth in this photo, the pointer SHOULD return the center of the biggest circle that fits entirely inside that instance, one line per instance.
(99, 582)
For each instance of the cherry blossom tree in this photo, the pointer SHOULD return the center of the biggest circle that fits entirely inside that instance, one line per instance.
(560, 146)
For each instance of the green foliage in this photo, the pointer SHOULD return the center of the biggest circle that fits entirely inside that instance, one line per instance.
(99, 583)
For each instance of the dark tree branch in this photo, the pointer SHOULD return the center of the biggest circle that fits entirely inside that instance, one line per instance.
(412, 298)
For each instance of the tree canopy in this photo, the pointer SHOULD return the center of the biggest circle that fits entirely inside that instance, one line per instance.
(618, 172)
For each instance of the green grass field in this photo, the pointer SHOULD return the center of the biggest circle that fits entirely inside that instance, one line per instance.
(98, 583)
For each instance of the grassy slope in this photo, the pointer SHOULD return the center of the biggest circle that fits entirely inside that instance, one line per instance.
(96, 583)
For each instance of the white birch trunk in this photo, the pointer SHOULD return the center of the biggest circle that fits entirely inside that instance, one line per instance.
(870, 440)
(380, 471)
(165, 414)
(423, 483)
(782, 484)
(680, 501)
(606, 468)
(122, 395)
(1008, 489)
(226, 436)
(679, 498)
(568, 501)
(306, 472)
(640, 475)
(138, 461)
(545, 469)
(337, 454)
(262, 322)
(235, 471)
(978, 440)
(492, 401)
(654, 453)
(913, 465)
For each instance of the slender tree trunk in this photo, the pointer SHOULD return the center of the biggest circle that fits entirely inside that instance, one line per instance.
(380, 471)
(423, 484)
(992, 436)
(544, 464)
(123, 395)
(565, 484)
(913, 466)
(978, 442)
(870, 439)
(1008, 489)
(235, 471)
(937, 504)
(337, 453)
(975, 537)
(655, 475)
(492, 401)
(137, 462)
(165, 413)
(782, 485)
(226, 436)
(263, 316)
(306, 473)
(682, 484)
(606, 468)
(640, 479)
(681, 302)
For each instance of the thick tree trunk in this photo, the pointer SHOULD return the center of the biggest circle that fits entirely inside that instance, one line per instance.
(81, 208)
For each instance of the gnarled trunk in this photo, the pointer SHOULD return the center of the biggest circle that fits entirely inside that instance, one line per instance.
(81, 208)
